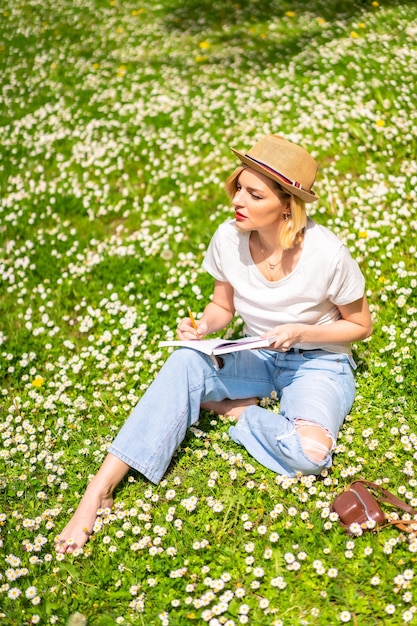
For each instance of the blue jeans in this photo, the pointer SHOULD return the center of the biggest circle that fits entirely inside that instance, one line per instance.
(315, 385)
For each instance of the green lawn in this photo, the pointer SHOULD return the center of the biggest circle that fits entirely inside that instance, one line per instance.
(116, 122)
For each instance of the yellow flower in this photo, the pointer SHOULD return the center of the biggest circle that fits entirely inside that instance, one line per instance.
(200, 58)
(380, 122)
(290, 14)
(38, 381)
(204, 45)
(321, 20)
(375, 4)
(354, 35)
(363, 234)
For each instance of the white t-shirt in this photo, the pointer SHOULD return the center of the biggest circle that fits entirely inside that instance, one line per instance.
(325, 276)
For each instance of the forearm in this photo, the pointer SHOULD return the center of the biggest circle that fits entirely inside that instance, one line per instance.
(216, 317)
(355, 324)
(218, 313)
(341, 331)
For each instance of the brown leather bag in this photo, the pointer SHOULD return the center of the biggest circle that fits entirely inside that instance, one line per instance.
(357, 505)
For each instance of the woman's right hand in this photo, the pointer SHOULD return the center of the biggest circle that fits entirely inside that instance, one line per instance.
(187, 332)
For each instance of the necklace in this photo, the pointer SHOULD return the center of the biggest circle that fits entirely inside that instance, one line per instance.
(271, 266)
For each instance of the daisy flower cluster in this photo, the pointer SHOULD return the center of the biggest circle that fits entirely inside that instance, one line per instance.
(116, 127)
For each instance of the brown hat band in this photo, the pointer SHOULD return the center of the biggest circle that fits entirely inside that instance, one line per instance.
(293, 183)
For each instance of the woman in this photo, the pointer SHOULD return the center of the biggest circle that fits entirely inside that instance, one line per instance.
(285, 276)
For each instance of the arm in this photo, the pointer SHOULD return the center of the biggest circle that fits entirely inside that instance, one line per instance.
(218, 313)
(354, 325)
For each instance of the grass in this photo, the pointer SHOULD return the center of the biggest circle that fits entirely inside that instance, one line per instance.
(116, 127)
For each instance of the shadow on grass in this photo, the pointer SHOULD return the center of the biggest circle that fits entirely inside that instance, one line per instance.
(195, 14)
(241, 24)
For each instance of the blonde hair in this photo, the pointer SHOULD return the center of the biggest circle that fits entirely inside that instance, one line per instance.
(293, 229)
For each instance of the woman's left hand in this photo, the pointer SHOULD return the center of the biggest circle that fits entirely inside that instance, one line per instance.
(354, 324)
(287, 336)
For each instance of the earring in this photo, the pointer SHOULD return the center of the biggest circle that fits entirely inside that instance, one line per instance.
(286, 216)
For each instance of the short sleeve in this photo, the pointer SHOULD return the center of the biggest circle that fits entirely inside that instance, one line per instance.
(346, 281)
(212, 261)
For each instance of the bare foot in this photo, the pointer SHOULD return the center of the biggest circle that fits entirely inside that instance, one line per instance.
(98, 495)
(230, 408)
(80, 527)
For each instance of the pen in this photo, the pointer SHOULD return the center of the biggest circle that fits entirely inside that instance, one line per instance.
(191, 316)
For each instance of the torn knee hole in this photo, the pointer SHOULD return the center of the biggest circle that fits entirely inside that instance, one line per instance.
(315, 440)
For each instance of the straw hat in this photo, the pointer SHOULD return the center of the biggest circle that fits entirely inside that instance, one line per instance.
(288, 164)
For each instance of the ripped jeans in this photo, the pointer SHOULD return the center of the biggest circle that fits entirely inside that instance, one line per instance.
(314, 387)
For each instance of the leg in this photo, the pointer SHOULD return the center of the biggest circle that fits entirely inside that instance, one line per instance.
(159, 422)
(315, 440)
(228, 407)
(231, 408)
(316, 393)
(98, 495)
(156, 427)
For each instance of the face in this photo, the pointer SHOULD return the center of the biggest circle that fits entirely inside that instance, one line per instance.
(256, 202)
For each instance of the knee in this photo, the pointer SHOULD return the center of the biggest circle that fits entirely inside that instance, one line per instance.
(316, 441)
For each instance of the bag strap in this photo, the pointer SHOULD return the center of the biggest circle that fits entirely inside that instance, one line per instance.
(388, 497)
(402, 524)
